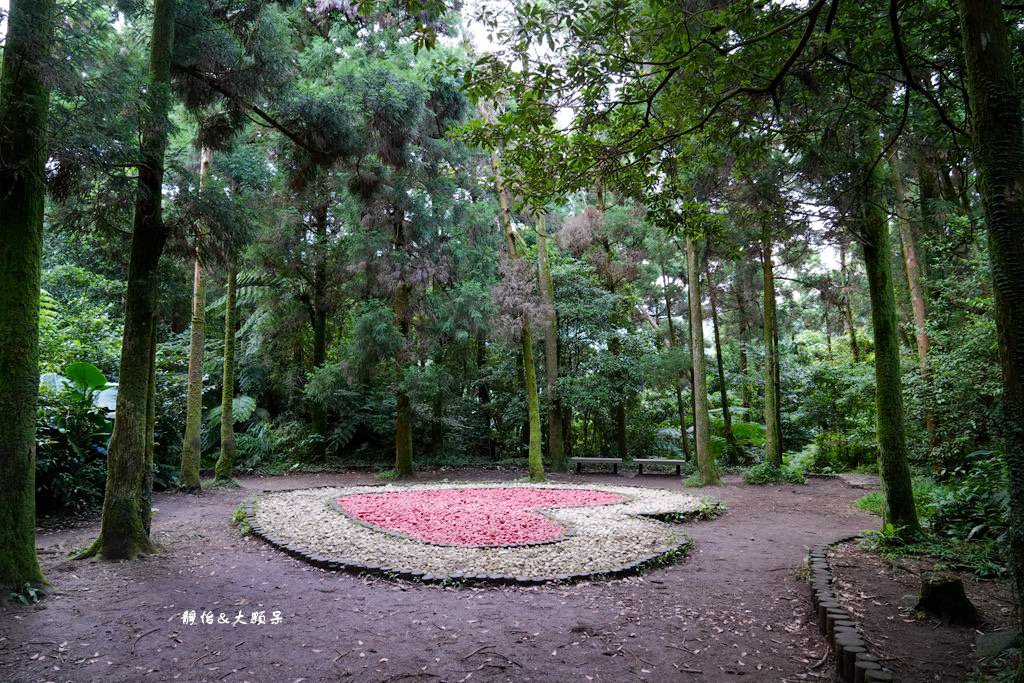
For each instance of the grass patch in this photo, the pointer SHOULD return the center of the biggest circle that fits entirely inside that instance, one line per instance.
(240, 519)
(770, 473)
(387, 475)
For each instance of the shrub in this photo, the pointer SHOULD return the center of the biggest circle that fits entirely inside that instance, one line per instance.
(769, 473)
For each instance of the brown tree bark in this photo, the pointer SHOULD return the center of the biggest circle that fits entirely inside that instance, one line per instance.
(772, 402)
(556, 447)
(733, 451)
(701, 420)
(24, 98)
(999, 158)
(677, 384)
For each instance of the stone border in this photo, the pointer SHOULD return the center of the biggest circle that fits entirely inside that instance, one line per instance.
(854, 663)
(650, 562)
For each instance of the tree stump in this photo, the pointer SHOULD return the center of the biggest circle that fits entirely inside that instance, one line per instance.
(943, 596)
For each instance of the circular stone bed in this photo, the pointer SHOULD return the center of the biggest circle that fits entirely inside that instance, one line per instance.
(506, 533)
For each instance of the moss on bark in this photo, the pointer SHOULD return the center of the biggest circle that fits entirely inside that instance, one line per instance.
(225, 467)
(701, 419)
(23, 104)
(874, 231)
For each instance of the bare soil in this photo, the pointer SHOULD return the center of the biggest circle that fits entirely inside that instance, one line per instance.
(735, 608)
(882, 595)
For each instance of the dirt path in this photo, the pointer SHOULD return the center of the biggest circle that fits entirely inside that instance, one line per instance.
(734, 608)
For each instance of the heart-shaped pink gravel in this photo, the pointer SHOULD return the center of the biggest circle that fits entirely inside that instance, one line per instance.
(472, 516)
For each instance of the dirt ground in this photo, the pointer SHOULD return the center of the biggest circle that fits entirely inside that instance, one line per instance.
(882, 594)
(735, 608)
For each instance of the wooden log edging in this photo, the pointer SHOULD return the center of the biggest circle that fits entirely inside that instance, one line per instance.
(854, 661)
(652, 561)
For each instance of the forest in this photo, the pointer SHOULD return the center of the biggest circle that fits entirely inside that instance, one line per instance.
(249, 249)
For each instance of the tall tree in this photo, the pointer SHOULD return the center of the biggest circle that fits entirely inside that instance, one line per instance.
(999, 156)
(556, 445)
(191, 448)
(122, 531)
(892, 446)
(772, 402)
(24, 97)
(701, 419)
(224, 469)
(733, 450)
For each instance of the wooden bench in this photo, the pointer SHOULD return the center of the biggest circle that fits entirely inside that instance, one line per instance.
(614, 462)
(640, 462)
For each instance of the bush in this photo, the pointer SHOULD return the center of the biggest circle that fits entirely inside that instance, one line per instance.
(975, 503)
(769, 473)
(73, 432)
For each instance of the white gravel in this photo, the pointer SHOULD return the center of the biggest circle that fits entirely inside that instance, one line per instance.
(605, 537)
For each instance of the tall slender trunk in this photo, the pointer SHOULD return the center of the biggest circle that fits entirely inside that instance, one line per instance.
(677, 384)
(403, 404)
(848, 302)
(24, 98)
(556, 447)
(772, 403)
(318, 317)
(999, 157)
(895, 471)
(913, 272)
(536, 461)
(744, 322)
(224, 470)
(701, 420)
(828, 327)
(192, 446)
(733, 450)
(484, 392)
(533, 406)
(122, 534)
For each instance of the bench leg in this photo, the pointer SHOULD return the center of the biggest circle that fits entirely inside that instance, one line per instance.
(615, 468)
(679, 471)
(640, 469)
(579, 467)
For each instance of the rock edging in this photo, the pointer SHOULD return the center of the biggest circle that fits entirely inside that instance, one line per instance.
(854, 662)
(649, 562)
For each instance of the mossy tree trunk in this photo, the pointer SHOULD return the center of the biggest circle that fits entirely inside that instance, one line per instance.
(874, 233)
(999, 158)
(225, 467)
(192, 446)
(122, 531)
(772, 402)
(556, 443)
(701, 420)
(536, 460)
(24, 98)
(733, 450)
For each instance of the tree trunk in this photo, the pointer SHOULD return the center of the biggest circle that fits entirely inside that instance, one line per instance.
(848, 302)
(23, 105)
(536, 462)
(772, 403)
(680, 405)
(744, 322)
(224, 470)
(556, 447)
(913, 273)
(192, 447)
(318, 319)
(403, 405)
(895, 471)
(733, 451)
(122, 534)
(701, 420)
(999, 158)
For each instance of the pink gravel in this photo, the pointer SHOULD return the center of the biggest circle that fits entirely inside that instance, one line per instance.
(471, 517)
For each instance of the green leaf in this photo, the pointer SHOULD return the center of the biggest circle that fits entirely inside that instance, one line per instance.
(86, 375)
